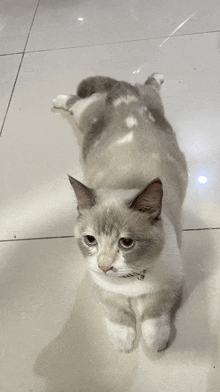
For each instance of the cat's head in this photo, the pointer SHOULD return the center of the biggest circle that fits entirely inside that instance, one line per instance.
(119, 234)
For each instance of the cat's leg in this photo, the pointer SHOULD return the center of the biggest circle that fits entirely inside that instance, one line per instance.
(155, 79)
(86, 111)
(151, 98)
(157, 310)
(119, 319)
(65, 102)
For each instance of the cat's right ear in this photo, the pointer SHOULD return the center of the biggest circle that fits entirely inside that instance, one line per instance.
(85, 196)
(149, 200)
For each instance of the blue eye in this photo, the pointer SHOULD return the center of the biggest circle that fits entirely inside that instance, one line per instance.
(126, 243)
(90, 240)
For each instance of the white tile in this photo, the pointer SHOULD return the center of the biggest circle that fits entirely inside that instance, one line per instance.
(54, 336)
(8, 67)
(70, 24)
(15, 24)
(38, 147)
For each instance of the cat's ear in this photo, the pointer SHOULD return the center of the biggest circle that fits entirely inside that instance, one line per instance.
(149, 200)
(85, 196)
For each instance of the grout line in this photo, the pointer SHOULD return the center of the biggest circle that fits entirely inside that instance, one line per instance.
(10, 54)
(36, 239)
(203, 228)
(120, 42)
(31, 26)
(105, 43)
(72, 236)
(12, 92)
(16, 78)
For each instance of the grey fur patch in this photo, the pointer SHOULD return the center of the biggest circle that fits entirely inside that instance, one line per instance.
(71, 100)
(164, 301)
(95, 84)
(121, 89)
(117, 307)
(117, 89)
(93, 135)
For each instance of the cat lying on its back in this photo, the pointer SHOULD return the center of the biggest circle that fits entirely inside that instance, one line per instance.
(132, 165)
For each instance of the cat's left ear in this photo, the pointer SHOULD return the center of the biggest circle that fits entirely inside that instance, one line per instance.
(149, 200)
(85, 196)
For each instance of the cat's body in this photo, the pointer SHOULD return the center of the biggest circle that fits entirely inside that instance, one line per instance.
(131, 159)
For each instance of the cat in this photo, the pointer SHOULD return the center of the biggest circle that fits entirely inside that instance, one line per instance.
(132, 166)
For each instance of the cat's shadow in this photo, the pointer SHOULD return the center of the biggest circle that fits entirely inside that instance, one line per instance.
(81, 357)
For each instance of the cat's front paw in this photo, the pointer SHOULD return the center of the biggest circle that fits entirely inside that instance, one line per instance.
(156, 332)
(60, 102)
(121, 336)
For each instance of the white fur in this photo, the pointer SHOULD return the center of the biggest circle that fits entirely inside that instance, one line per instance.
(142, 110)
(125, 139)
(131, 122)
(165, 272)
(156, 332)
(155, 156)
(60, 102)
(121, 336)
(126, 99)
(159, 78)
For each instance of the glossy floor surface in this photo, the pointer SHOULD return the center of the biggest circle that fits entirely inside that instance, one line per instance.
(53, 337)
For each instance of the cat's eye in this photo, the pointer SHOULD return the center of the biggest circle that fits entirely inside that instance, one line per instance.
(90, 240)
(126, 243)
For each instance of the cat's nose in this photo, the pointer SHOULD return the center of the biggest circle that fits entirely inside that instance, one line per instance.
(104, 269)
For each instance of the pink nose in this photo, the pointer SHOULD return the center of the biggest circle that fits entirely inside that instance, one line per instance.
(104, 269)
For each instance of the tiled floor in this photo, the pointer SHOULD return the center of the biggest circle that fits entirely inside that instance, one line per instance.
(53, 339)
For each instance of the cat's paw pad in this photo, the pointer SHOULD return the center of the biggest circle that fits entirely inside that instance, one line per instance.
(121, 336)
(156, 332)
(60, 102)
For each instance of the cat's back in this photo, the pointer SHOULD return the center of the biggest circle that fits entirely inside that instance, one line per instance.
(133, 149)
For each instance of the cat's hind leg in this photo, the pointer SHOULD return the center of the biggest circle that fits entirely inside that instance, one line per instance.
(155, 79)
(65, 102)
(86, 111)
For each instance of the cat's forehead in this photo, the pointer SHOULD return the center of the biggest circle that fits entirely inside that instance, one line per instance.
(109, 218)
(116, 196)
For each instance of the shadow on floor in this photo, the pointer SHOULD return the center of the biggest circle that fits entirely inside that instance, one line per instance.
(82, 358)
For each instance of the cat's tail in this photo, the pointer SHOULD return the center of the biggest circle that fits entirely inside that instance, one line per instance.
(95, 84)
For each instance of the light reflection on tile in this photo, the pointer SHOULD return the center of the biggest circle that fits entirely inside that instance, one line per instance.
(110, 21)
(15, 23)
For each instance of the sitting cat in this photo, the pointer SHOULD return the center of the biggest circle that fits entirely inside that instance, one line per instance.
(132, 165)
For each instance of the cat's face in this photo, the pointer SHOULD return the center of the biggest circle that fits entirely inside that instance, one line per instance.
(119, 238)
